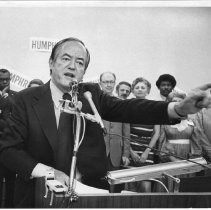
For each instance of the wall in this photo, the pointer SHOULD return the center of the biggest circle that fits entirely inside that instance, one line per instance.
(131, 41)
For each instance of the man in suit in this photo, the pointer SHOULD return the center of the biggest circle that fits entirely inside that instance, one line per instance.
(31, 143)
(117, 138)
(201, 137)
(7, 96)
(6, 104)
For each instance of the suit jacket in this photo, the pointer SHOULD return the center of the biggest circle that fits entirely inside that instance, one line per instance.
(6, 105)
(31, 134)
(201, 136)
(117, 146)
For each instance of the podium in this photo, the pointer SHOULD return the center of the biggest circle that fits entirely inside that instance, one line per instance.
(178, 199)
(126, 200)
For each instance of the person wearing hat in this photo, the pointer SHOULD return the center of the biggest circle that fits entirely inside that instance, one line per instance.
(165, 84)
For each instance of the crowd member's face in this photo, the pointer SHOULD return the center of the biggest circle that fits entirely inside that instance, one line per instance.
(34, 85)
(165, 88)
(4, 80)
(124, 91)
(140, 90)
(68, 65)
(107, 83)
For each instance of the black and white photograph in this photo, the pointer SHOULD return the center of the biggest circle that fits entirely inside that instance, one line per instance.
(105, 104)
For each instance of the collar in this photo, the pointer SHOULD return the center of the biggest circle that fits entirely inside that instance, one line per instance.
(183, 125)
(163, 97)
(56, 93)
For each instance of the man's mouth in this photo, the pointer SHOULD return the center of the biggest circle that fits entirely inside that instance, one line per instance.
(69, 75)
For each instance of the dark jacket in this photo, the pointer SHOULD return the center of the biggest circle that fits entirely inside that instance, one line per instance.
(31, 135)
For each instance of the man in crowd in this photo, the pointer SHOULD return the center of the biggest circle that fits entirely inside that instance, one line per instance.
(165, 84)
(6, 104)
(123, 90)
(201, 137)
(31, 145)
(118, 134)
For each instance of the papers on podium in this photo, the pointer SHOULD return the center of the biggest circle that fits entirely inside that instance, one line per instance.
(85, 189)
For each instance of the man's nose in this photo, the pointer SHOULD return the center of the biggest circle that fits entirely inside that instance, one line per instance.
(71, 65)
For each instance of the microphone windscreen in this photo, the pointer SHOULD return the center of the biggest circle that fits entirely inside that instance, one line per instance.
(88, 95)
(73, 82)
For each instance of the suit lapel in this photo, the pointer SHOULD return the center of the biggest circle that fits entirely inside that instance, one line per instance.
(44, 110)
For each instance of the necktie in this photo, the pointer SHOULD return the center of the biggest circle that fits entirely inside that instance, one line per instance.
(65, 141)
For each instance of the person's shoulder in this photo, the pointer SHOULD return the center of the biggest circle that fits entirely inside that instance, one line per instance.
(12, 92)
(94, 88)
(89, 85)
(33, 91)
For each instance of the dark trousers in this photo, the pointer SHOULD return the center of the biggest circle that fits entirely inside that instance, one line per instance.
(7, 184)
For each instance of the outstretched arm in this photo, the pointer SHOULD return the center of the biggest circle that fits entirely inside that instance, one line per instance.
(197, 99)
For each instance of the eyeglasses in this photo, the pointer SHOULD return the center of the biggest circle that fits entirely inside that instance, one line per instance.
(108, 82)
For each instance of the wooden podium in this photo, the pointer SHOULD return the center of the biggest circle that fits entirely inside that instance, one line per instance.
(129, 200)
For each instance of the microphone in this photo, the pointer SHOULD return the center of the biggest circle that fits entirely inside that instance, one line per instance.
(88, 97)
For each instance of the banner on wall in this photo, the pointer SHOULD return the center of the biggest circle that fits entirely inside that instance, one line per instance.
(42, 44)
(18, 81)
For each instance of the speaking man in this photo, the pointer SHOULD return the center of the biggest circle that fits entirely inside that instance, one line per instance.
(33, 144)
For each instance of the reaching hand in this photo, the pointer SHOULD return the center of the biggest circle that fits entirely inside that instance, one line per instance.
(144, 157)
(4, 91)
(125, 161)
(135, 157)
(197, 99)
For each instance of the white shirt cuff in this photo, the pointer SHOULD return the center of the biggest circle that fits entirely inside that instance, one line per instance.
(41, 170)
(172, 113)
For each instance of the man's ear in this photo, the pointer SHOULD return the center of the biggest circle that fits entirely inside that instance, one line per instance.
(50, 63)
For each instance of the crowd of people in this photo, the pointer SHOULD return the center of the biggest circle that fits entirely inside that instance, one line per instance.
(139, 132)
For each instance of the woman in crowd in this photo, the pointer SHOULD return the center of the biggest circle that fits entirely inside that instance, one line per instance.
(143, 138)
(175, 139)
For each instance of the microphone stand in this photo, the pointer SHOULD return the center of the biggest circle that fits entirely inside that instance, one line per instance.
(71, 187)
(71, 107)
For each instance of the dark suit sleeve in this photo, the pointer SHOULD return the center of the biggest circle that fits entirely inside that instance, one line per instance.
(130, 110)
(13, 142)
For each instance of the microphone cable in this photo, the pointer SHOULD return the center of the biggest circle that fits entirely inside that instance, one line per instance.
(157, 150)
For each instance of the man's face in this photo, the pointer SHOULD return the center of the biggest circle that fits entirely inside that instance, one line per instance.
(4, 80)
(107, 83)
(165, 88)
(124, 91)
(68, 65)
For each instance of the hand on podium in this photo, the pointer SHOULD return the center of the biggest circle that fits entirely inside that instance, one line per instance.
(61, 177)
(64, 178)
